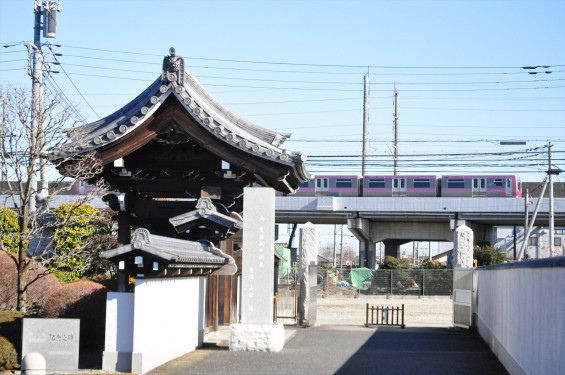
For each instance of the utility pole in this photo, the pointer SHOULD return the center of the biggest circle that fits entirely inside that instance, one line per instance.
(365, 122)
(341, 251)
(526, 218)
(551, 171)
(335, 231)
(4, 176)
(48, 9)
(528, 229)
(395, 132)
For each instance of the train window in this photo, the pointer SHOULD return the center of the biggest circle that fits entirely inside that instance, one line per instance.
(377, 183)
(399, 183)
(322, 183)
(455, 183)
(479, 183)
(421, 183)
(343, 183)
(304, 184)
(498, 182)
(508, 183)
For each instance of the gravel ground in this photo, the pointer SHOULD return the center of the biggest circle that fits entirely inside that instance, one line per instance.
(418, 312)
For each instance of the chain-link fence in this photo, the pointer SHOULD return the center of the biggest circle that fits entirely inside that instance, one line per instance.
(417, 282)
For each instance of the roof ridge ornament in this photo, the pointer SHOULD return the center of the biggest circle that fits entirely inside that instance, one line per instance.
(141, 236)
(173, 68)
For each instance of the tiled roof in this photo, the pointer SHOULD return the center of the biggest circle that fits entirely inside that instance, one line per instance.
(200, 105)
(174, 251)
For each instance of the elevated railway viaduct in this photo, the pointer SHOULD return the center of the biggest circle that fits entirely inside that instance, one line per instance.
(398, 220)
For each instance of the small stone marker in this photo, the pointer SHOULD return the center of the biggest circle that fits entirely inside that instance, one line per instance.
(463, 247)
(33, 364)
(57, 340)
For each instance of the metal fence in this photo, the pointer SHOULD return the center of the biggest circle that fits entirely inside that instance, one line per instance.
(416, 282)
(421, 282)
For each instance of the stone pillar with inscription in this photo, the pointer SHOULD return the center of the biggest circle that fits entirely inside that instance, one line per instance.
(307, 274)
(463, 247)
(256, 331)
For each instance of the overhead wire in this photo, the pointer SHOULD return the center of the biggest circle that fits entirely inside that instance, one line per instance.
(70, 80)
(304, 86)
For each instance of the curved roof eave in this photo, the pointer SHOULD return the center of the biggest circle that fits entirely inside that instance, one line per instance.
(201, 107)
(171, 249)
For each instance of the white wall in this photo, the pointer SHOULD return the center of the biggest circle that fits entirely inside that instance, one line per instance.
(119, 322)
(520, 314)
(169, 320)
(119, 332)
(162, 320)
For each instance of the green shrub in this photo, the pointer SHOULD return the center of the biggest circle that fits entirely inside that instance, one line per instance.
(9, 228)
(432, 265)
(488, 255)
(392, 263)
(74, 240)
(8, 355)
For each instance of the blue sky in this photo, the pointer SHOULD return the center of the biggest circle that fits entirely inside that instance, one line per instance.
(298, 66)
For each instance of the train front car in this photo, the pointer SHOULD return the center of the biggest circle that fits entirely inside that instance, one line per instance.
(399, 186)
(480, 186)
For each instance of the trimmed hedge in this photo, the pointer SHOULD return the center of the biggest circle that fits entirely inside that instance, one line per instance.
(37, 291)
(84, 300)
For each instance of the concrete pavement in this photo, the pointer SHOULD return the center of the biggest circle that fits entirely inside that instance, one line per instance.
(347, 349)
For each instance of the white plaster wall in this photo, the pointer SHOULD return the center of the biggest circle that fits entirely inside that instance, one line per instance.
(520, 314)
(169, 320)
(119, 322)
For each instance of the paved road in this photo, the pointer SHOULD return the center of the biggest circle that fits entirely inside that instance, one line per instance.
(334, 349)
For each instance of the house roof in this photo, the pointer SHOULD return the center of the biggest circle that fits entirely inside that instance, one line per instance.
(177, 97)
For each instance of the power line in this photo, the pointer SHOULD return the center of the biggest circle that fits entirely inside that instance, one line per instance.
(71, 81)
(364, 66)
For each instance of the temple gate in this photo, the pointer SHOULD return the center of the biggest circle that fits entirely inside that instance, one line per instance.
(177, 162)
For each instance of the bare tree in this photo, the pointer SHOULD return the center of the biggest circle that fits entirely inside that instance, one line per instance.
(327, 250)
(23, 155)
(349, 255)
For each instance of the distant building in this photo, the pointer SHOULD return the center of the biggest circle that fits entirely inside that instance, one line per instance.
(538, 242)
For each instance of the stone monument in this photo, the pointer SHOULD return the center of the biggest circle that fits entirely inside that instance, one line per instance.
(463, 247)
(257, 332)
(307, 275)
(57, 340)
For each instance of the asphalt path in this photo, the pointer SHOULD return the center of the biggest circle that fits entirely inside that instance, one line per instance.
(344, 349)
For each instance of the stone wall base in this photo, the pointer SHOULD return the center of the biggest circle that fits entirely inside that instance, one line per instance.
(116, 361)
(257, 337)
